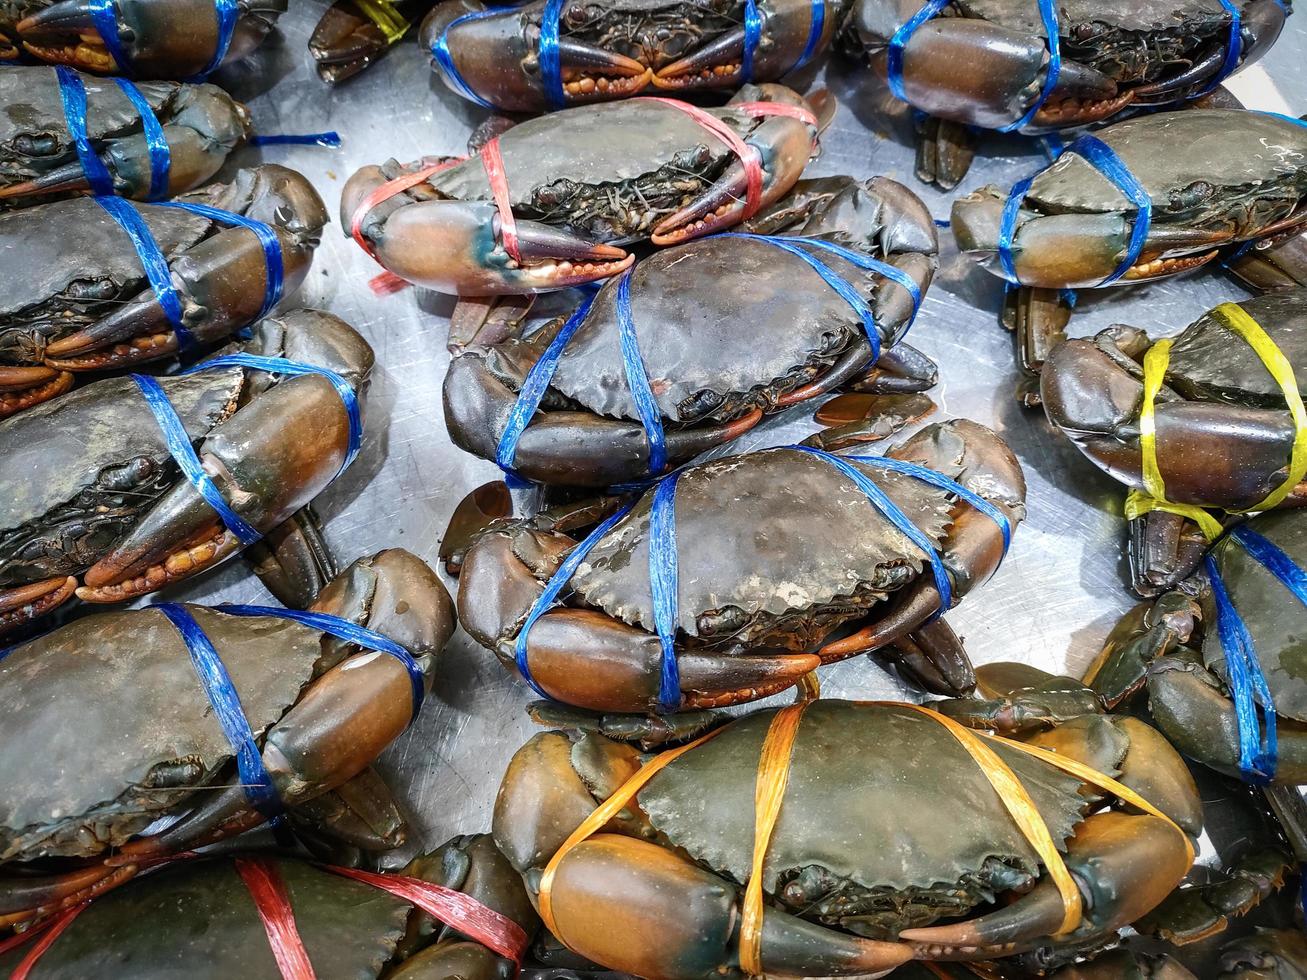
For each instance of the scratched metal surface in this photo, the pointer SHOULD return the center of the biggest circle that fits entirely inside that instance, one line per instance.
(1050, 604)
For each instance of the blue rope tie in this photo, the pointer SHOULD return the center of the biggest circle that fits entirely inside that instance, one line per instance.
(816, 25)
(331, 138)
(752, 35)
(226, 702)
(1102, 158)
(664, 588)
(156, 143)
(445, 60)
(345, 630)
(72, 92)
(637, 379)
(272, 258)
(104, 14)
(153, 263)
(553, 587)
(1233, 47)
(551, 60)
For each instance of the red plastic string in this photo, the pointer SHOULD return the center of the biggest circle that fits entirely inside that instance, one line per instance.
(388, 190)
(494, 164)
(747, 154)
(456, 910)
(269, 894)
(56, 926)
(760, 109)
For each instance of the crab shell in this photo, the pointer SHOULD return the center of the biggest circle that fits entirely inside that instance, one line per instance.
(621, 48)
(161, 38)
(581, 182)
(1240, 176)
(984, 62)
(709, 378)
(77, 300)
(1224, 432)
(89, 487)
(815, 556)
(887, 825)
(202, 124)
(350, 929)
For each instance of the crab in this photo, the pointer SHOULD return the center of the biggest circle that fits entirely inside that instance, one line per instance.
(108, 755)
(816, 575)
(76, 298)
(711, 380)
(618, 49)
(352, 34)
(1242, 178)
(887, 826)
(92, 502)
(1224, 433)
(582, 183)
(202, 124)
(984, 63)
(175, 39)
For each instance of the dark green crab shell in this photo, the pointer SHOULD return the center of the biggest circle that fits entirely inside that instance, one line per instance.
(108, 725)
(767, 542)
(197, 921)
(887, 821)
(1276, 620)
(1201, 167)
(77, 471)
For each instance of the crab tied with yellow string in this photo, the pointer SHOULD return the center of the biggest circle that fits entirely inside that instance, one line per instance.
(833, 838)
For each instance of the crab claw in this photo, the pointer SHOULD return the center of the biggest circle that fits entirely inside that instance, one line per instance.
(457, 246)
(269, 459)
(346, 41)
(220, 281)
(782, 147)
(1123, 864)
(161, 38)
(24, 603)
(23, 387)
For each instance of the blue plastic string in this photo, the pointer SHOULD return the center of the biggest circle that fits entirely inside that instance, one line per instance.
(637, 379)
(345, 630)
(179, 445)
(816, 25)
(942, 482)
(752, 35)
(1233, 47)
(104, 14)
(289, 368)
(272, 258)
(156, 143)
(445, 60)
(226, 702)
(894, 56)
(553, 587)
(227, 12)
(533, 392)
(330, 138)
(153, 262)
(1102, 158)
(664, 587)
(72, 92)
(551, 60)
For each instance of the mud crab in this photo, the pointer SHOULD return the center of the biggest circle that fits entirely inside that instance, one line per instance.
(353, 34)
(349, 927)
(616, 50)
(1242, 178)
(1224, 433)
(822, 567)
(178, 39)
(89, 490)
(77, 298)
(201, 124)
(581, 183)
(838, 899)
(986, 63)
(1188, 686)
(320, 710)
(711, 380)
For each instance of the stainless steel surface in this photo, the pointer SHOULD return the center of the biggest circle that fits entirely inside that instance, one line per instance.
(1050, 604)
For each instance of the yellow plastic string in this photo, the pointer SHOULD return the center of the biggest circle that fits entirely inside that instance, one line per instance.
(388, 19)
(1156, 361)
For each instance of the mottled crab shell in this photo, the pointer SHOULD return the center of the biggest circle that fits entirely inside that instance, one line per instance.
(1276, 620)
(1197, 166)
(109, 706)
(763, 536)
(197, 920)
(1208, 363)
(78, 470)
(881, 802)
(596, 145)
(691, 341)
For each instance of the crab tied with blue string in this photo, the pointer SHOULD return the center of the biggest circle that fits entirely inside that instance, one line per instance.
(216, 718)
(732, 579)
(1044, 66)
(696, 343)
